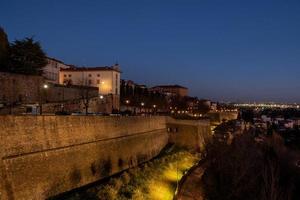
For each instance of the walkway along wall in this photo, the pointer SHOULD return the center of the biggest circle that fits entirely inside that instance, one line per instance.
(43, 156)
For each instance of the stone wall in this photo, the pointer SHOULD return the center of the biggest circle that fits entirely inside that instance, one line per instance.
(60, 93)
(218, 117)
(15, 88)
(43, 156)
(192, 134)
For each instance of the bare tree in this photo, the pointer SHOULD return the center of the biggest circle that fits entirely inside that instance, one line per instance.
(85, 93)
(85, 97)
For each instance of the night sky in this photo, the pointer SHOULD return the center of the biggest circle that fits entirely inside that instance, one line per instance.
(223, 50)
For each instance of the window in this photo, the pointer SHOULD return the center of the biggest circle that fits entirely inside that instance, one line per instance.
(65, 75)
(90, 82)
(98, 81)
(90, 75)
(70, 75)
(98, 75)
(116, 90)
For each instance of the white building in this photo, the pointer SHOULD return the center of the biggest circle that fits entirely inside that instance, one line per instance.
(107, 79)
(52, 69)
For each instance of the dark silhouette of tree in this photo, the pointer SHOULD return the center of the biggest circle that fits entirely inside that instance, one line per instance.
(248, 170)
(4, 50)
(27, 57)
(85, 94)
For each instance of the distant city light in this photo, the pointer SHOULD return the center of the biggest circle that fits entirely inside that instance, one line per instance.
(45, 86)
(127, 101)
(142, 104)
(101, 97)
(266, 105)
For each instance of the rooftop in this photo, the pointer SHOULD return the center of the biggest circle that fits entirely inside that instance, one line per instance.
(169, 86)
(81, 69)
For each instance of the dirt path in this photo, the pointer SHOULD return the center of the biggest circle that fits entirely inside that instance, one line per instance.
(191, 188)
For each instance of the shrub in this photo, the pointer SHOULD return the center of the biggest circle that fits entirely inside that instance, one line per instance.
(108, 192)
(125, 178)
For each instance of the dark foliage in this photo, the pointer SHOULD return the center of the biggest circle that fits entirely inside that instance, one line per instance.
(248, 170)
(247, 115)
(27, 57)
(4, 50)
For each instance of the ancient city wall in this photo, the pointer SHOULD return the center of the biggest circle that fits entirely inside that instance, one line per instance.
(192, 134)
(218, 117)
(46, 155)
(60, 93)
(19, 88)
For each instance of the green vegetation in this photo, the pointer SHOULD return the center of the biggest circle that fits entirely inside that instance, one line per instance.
(156, 179)
(27, 57)
(22, 56)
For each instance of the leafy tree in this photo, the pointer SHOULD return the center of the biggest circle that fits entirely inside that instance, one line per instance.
(27, 57)
(4, 50)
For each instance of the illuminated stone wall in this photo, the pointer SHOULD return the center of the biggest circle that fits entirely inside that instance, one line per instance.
(192, 134)
(46, 155)
(218, 117)
(16, 88)
(43, 156)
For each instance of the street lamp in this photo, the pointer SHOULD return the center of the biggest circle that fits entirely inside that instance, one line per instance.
(45, 87)
(142, 104)
(154, 109)
(101, 97)
(127, 103)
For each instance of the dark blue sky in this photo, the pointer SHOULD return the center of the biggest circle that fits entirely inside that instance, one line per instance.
(224, 50)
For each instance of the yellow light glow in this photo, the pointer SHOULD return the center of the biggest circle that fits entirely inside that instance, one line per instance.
(160, 191)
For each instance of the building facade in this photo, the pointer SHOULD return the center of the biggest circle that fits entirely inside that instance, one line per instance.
(171, 90)
(106, 79)
(52, 69)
